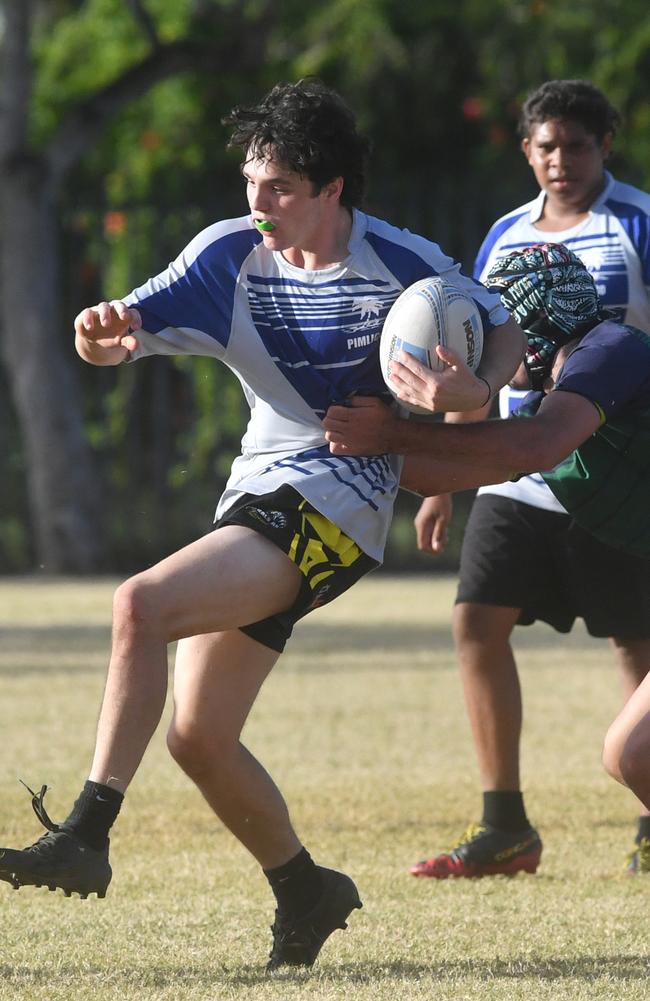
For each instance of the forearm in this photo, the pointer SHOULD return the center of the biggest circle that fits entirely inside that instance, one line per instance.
(441, 484)
(461, 456)
(503, 351)
(468, 416)
(435, 477)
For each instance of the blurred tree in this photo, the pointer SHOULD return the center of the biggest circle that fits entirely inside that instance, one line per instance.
(112, 156)
(68, 68)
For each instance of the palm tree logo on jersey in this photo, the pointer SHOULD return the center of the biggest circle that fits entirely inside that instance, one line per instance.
(368, 307)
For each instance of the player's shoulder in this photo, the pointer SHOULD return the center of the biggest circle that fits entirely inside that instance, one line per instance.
(407, 255)
(619, 196)
(510, 231)
(228, 237)
(612, 346)
(610, 331)
(374, 229)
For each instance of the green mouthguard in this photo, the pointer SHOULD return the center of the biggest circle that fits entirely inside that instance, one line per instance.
(265, 227)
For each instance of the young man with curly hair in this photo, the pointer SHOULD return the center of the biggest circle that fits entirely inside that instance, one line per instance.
(292, 297)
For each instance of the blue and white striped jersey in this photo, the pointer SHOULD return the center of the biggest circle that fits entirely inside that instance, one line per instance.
(298, 341)
(613, 243)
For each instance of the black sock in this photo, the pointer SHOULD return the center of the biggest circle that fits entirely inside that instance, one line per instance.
(505, 810)
(643, 830)
(297, 884)
(94, 813)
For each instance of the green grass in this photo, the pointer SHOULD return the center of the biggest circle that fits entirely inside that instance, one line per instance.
(362, 724)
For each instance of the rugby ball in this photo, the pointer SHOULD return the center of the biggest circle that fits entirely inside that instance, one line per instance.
(426, 314)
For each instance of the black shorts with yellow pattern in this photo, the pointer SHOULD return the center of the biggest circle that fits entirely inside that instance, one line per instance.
(328, 559)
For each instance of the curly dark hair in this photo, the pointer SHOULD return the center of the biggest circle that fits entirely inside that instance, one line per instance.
(569, 100)
(309, 129)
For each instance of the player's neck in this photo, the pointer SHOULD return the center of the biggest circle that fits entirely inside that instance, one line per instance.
(329, 246)
(557, 218)
(558, 214)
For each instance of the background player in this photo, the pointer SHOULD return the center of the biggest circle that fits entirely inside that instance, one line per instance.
(522, 557)
(292, 297)
(589, 417)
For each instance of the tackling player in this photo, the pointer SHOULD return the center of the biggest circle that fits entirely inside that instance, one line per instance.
(522, 557)
(585, 426)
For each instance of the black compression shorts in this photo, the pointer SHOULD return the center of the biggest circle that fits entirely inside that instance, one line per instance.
(328, 559)
(519, 556)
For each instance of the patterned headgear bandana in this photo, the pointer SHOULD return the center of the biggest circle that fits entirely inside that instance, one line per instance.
(551, 295)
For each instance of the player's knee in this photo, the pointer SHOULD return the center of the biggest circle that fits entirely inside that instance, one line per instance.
(185, 747)
(135, 606)
(634, 758)
(471, 624)
(194, 748)
(612, 753)
(481, 631)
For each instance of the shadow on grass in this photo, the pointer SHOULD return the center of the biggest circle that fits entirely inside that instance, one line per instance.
(584, 968)
(49, 642)
(309, 637)
(546, 969)
(393, 637)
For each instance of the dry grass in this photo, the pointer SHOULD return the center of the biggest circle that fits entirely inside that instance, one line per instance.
(363, 727)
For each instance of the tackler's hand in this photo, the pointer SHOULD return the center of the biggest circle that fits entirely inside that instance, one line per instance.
(364, 427)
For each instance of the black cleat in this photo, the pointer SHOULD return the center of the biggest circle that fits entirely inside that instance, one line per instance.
(638, 861)
(58, 859)
(297, 941)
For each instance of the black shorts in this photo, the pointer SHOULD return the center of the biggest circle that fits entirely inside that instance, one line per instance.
(541, 562)
(328, 559)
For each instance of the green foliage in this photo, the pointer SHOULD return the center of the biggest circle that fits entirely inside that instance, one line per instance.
(353, 36)
(83, 51)
(437, 86)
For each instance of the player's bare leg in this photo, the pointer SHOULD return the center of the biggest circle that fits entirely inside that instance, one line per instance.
(230, 577)
(226, 579)
(627, 744)
(633, 659)
(491, 687)
(504, 841)
(216, 681)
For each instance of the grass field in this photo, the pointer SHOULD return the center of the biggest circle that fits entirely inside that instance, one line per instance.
(362, 725)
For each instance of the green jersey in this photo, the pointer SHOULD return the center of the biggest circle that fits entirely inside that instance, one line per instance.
(605, 483)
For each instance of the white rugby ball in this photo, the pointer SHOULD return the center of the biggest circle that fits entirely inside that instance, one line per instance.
(426, 314)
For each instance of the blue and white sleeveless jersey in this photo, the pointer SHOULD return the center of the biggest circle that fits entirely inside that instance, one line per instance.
(613, 243)
(298, 341)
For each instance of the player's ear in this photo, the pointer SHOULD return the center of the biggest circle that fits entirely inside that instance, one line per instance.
(525, 147)
(606, 145)
(333, 189)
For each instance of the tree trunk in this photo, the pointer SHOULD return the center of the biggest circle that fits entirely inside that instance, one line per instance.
(65, 499)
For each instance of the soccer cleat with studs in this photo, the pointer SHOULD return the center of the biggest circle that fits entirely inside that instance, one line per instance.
(297, 941)
(638, 861)
(485, 851)
(58, 860)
